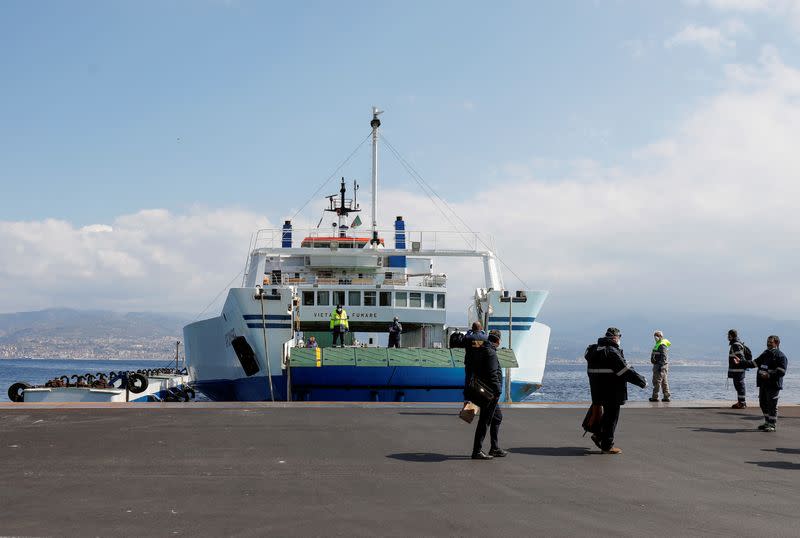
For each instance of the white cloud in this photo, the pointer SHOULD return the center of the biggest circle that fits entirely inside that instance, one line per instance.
(788, 9)
(702, 219)
(152, 259)
(712, 39)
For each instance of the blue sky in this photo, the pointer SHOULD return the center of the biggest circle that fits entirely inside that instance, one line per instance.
(113, 108)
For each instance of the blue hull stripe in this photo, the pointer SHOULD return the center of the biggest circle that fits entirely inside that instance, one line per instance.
(519, 319)
(270, 325)
(447, 388)
(513, 327)
(267, 316)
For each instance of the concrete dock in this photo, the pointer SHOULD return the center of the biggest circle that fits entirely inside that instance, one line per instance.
(316, 470)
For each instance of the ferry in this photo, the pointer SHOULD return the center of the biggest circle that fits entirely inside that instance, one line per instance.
(256, 349)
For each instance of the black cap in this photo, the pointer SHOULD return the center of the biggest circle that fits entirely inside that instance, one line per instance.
(613, 331)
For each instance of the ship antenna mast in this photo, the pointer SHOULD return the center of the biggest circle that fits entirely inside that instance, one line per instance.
(375, 123)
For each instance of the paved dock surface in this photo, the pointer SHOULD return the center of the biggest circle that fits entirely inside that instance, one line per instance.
(394, 471)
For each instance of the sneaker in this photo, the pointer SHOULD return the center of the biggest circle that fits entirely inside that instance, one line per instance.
(596, 441)
(665, 399)
(481, 456)
(498, 453)
(739, 405)
(653, 399)
(769, 428)
(763, 426)
(612, 450)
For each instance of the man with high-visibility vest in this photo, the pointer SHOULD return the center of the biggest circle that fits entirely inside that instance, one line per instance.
(659, 359)
(339, 324)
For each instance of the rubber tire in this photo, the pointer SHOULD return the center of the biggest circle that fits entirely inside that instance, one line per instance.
(142, 383)
(15, 393)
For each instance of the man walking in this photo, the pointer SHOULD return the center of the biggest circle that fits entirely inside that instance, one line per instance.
(485, 366)
(395, 330)
(339, 324)
(659, 359)
(736, 370)
(771, 368)
(608, 377)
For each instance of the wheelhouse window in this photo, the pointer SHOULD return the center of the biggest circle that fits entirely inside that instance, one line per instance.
(401, 298)
(440, 300)
(308, 298)
(354, 298)
(428, 300)
(370, 298)
(323, 298)
(415, 301)
(338, 298)
(385, 298)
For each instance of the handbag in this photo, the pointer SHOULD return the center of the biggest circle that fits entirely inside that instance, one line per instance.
(468, 412)
(591, 423)
(479, 392)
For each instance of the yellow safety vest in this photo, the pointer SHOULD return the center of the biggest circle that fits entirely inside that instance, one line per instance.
(339, 319)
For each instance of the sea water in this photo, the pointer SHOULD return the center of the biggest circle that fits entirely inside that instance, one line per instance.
(563, 382)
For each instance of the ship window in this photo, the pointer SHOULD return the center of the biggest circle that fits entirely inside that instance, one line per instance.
(370, 298)
(387, 275)
(415, 301)
(323, 298)
(440, 300)
(428, 300)
(401, 298)
(354, 298)
(308, 298)
(338, 298)
(386, 298)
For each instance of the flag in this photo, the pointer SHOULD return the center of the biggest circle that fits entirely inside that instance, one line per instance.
(356, 222)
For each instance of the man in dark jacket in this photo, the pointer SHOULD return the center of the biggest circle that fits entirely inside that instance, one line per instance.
(395, 330)
(473, 341)
(735, 369)
(771, 366)
(608, 377)
(485, 366)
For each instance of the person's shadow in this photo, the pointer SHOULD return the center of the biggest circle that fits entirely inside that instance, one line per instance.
(721, 430)
(427, 457)
(569, 451)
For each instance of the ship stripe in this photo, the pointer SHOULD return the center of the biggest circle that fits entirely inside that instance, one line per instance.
(267, 316)
(270, 325)
(513, 327)
(519, 319)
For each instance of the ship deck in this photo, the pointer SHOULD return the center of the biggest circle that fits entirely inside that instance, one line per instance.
(253, 469)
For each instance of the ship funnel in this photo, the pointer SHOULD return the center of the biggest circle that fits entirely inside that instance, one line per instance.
(399, 243)
(286, 235)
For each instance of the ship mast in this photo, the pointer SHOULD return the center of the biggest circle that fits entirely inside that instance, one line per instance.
(375, 123)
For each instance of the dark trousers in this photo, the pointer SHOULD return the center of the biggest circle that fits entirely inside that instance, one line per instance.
(608, 424)
(394, 341)
(768, 400)
(490, 413)
(340, 334)
(738, 384)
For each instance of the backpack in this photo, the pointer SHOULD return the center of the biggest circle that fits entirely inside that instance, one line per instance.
(748, 355)
(457, 340)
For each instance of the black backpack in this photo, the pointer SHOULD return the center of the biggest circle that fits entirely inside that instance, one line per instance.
(457, 340)
(748, 355)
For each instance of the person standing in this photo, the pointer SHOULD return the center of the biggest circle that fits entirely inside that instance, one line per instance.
(395, 330)
(339, 324)
(659, 358)
(771, 366)
(485, 366)
(736, 370)
(474, 339)
(608, 377)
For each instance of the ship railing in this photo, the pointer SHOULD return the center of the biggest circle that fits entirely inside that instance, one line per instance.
(415, 240)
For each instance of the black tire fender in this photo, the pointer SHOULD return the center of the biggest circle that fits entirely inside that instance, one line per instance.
(15, 391)
(137, 383)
